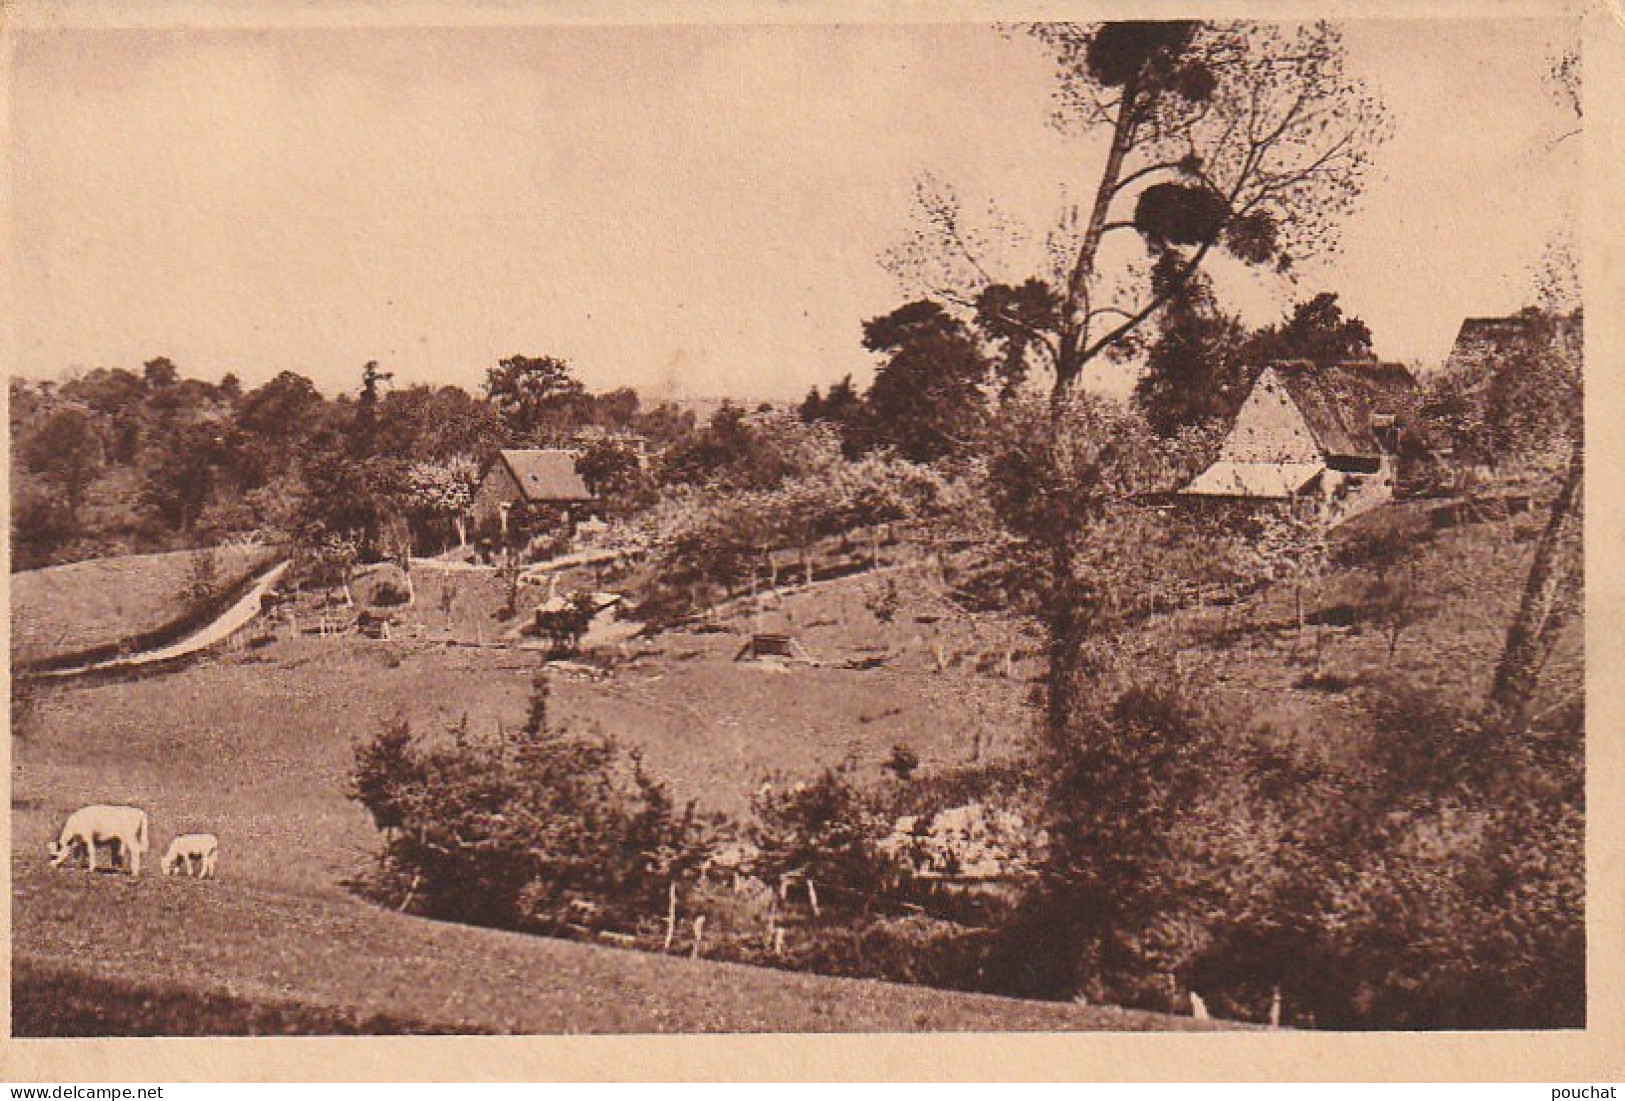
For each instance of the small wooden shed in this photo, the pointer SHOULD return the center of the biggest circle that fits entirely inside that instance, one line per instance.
(773, 647)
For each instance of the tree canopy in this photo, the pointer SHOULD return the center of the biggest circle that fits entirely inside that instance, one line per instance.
(926, 401)
(532, 393)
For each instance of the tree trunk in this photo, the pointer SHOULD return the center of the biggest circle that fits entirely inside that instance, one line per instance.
(1067, 622)
(1071, 361)
(1067, 616)
(1555, 581)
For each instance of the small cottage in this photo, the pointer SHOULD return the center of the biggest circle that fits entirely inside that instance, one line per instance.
(1327, 436)
(538, 477)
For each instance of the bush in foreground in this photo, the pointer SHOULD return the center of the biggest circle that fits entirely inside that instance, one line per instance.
(537, 828)
(1433, 879)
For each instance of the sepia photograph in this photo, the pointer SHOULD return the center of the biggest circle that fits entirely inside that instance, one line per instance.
(797, 527)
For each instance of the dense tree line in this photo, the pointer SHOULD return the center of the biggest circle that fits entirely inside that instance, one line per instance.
(117, 461)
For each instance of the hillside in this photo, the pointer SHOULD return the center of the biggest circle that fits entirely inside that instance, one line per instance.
(274, 728)
(282, 961)
(62, 611)
(266, 739)
(1453, 592)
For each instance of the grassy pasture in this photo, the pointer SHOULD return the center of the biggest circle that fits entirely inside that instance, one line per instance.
(61, 1000)
(111, 955)
(255, 747)
(63, 610)
(1465, 584)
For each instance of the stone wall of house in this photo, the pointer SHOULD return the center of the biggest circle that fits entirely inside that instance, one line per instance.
(497, 487)
(1270, 428)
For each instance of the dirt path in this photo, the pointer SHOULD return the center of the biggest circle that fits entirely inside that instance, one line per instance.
(229, 621)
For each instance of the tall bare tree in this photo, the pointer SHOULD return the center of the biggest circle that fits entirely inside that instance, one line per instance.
(1239, 139)
(1554, 589)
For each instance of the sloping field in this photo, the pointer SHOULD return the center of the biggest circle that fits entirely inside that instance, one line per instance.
(256, 746)
(66, 610)
(1461, 588)
(266, 737)
(254, 750)
(170, 952)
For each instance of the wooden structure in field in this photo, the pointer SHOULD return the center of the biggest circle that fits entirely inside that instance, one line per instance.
(773, 647)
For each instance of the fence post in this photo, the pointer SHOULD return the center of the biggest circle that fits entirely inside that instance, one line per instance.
(671, 915)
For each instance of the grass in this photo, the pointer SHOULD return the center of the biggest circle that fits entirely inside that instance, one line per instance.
(256, 747)
(109, 955)
(59, 1000)
(1465, 582)
(266, 736)
(253, 747)
(63, 611)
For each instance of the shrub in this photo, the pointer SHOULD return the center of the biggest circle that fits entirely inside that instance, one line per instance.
(826, 830)
(1434, 880)
(530, 829)
(903, 760)
(1381, 541)
(564, 626)
(1464, 905)
(388, 594)
(25, 696)
(1122, 778)
(914, 948)
(203, 580)
(1326, 682)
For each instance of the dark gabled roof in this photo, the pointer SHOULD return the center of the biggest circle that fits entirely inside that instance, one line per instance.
(1482, 338)
(1340, 401)
(546, 474)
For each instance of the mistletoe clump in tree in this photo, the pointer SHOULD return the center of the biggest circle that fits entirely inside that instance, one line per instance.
(1238, 142)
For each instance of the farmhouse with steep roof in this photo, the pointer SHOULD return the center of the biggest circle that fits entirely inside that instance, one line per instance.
(540, 477)
(1323, 435)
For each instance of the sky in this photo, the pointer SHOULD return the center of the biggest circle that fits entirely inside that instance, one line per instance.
(691, 211)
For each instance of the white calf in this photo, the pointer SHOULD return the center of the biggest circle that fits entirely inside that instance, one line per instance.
(124, 827)
(192, 854)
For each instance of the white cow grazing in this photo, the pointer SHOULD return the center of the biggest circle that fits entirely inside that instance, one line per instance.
(125, 827)
(192, 854)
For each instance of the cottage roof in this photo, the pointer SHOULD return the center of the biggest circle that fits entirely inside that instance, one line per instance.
(1482, 338)
(1342, 402)
(545, 474)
